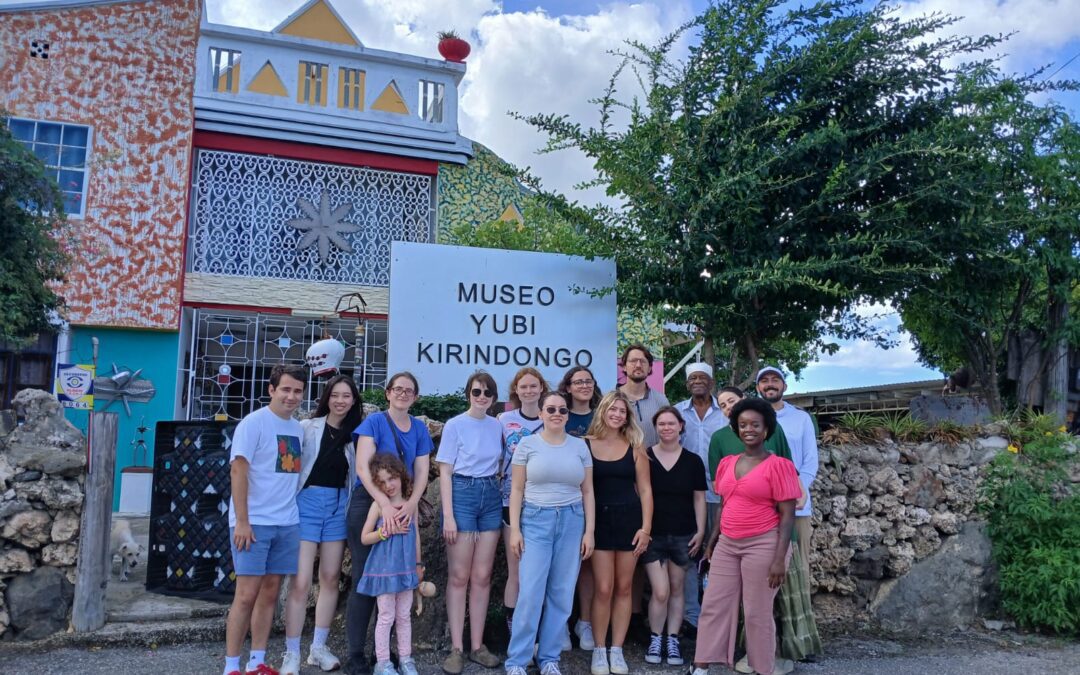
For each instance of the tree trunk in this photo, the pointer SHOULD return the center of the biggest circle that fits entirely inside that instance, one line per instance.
(1056, 400)
(708, 351)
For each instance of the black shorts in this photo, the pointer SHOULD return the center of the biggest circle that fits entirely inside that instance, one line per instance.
(673, 547)
(616, 525)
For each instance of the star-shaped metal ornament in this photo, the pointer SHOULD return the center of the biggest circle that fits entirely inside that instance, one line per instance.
(323, 226)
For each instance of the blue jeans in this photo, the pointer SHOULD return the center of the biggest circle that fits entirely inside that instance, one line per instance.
(548, 572)
(477, 503)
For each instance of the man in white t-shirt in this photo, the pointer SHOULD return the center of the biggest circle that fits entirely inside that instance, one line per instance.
(264, 524)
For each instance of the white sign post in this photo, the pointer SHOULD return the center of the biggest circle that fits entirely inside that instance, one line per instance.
(455, 309)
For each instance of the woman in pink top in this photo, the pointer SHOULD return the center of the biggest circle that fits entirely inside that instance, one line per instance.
(748, 552)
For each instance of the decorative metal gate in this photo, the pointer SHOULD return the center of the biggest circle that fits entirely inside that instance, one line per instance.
(232, 354)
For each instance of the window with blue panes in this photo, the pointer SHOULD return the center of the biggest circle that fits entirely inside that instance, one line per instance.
(62, 148)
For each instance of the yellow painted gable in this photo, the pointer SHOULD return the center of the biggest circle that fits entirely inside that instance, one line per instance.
(390, 100)
(511, 215)
(319, 23)
(267, 81)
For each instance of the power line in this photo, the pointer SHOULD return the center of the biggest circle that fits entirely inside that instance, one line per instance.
(1075, 56)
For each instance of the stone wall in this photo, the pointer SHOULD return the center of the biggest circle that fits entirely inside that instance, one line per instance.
(41, 500)
(896, 537)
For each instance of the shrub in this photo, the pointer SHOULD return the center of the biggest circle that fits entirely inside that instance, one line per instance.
(863, 426)
(949, 432)
(904, 427)
(1033, 514)
(439, 407)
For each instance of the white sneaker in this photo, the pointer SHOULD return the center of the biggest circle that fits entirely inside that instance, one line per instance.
(515, 670)
(550, 668)
(743, 666)
(618, 663)
(583, 630)
(320, 656)
(566, 644)
(290, 664)
(599, 662)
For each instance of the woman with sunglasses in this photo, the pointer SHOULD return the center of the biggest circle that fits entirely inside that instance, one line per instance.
(551, 532)
(468, 460)
(396, 432)
(520, 421)
(624, 510)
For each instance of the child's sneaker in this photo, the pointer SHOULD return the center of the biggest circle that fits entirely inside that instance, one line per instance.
(407, 666)
(385, 668)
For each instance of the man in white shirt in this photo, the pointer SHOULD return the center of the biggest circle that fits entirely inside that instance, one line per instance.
(801, 436)
(703, 418)
(264, 524)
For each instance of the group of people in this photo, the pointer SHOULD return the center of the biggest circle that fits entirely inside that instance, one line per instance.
(592, 494)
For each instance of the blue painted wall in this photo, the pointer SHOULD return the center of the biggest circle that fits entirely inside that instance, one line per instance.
(153, 351)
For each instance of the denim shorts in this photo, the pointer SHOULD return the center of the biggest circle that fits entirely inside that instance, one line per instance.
(276, 550)
(322, 513)
(477, 503)
(673, 547)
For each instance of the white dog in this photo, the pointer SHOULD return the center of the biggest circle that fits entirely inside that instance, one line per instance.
(122, 545)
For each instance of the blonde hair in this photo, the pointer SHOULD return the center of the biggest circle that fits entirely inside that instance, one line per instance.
(630, 430)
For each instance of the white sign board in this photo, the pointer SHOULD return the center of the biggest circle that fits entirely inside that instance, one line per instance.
(456, 309)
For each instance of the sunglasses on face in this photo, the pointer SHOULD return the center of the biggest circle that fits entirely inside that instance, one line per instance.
(477, 392)
(551, 410)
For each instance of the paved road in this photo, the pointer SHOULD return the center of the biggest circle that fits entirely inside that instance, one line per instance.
(979, 654)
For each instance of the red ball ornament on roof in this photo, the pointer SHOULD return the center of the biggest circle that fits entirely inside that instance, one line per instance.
(452, 47)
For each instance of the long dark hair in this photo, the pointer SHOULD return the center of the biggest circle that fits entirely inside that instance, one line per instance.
(564, 386)
(353, 417)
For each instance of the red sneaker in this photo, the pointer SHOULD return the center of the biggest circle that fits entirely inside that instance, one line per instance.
(262, 669)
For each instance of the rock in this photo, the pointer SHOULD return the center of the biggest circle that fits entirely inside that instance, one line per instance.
(838, 488)
(993, 624)
(886, 480)
(28, 528)
(39, 603)
(993, 443)
(929, 453)
(7, 472)
(13, 560)
(838, 506)
(945, 591)
(65, 527)
(434, 427)
(870, 564)
(855, 478)
(859, 505)
(56, 493)
(26, 476)
(946, 522)
(924, 488)
(905, 531)
(60, 555)
(370, 409)
(11, 506)
(926, 541)
(46, 441)
(956, 455)
(861, 533)
(889, 508)
(869, 455)
(901, 558)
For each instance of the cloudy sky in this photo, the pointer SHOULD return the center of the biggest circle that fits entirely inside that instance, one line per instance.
(553, 56)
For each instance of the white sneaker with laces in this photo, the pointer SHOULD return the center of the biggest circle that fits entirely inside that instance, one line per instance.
(583, 630)
(550, 668)
(599, 662)
(617, 662)
(566, 644)
(290, 664)
(320, 656)
(515, 670)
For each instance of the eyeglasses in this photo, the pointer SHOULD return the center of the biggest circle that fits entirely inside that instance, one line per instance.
(477, 392)
(637, 362)
(551, 410)
(582, 383)
(402, 391)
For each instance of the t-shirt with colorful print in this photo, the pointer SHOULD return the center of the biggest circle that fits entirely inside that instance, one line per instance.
(515, 427)
(271, 446)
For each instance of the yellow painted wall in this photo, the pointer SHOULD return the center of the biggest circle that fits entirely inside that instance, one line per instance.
(349, 101)
(267, 81)
(390, 100)
(319, 23)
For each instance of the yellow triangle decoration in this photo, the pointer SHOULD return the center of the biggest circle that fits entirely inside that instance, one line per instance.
(319, 22)
(267, 81)
(511, 214)
(390, 100)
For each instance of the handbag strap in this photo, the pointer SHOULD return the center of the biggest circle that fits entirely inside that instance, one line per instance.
(397, 439)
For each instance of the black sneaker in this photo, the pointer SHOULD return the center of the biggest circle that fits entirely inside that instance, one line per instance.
(674, 655)
(652, 655)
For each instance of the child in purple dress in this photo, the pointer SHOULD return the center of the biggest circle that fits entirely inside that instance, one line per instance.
(393, 569)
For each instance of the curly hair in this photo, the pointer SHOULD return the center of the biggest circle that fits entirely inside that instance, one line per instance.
(384, 461)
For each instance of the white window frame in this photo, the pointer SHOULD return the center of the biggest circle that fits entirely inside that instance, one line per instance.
(432, 106)
(86, 158)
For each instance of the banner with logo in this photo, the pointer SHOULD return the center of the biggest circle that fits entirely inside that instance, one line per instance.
(75, 385)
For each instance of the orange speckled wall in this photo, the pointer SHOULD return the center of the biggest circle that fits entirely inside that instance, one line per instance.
(127, 70)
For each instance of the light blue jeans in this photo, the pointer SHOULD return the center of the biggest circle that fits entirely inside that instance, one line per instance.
(548, 572)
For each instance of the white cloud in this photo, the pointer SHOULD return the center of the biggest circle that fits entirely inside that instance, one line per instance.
(1042, 27)
(529, 62)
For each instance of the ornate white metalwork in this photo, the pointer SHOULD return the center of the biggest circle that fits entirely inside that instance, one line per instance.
(323, 226)
(242, 205)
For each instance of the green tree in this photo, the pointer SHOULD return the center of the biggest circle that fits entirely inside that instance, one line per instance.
(541, 229)
(1022, 202)
(790, 168)
(32, 223)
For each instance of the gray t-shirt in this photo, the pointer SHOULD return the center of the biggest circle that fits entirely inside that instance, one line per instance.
(554, 473)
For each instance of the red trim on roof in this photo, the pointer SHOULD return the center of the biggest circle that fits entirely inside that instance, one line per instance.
(212, 140)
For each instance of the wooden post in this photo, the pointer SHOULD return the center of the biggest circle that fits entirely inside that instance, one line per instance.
(92, 571)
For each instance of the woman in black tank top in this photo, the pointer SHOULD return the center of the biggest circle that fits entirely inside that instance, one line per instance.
(624, 507)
